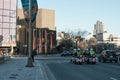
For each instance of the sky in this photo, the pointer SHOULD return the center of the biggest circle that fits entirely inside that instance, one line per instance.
(83, 14)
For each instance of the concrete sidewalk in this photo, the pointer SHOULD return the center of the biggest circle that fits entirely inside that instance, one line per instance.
(15, 69)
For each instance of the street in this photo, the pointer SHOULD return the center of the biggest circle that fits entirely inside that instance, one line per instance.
(60, 69)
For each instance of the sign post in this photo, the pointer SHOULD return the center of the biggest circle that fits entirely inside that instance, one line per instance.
(30, 8)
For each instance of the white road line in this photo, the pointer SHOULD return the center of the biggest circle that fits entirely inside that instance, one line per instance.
(112, 78)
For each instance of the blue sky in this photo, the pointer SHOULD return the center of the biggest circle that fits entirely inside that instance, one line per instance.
(83, 14)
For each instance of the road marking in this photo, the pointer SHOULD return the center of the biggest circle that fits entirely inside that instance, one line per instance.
(113, 78)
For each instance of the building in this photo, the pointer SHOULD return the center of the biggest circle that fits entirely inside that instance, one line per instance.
(45, 19)
(98, 28)
(8, 23)
(43, 29)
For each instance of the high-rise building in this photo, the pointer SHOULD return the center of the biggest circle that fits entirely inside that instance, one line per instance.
(98, 28)
(8, 22)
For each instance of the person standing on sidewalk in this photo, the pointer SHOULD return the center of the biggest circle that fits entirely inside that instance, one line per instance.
(33, 54)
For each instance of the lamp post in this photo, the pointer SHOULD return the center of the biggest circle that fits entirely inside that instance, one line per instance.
(29, 62)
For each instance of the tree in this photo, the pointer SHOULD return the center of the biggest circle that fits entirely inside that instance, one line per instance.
(73, 38)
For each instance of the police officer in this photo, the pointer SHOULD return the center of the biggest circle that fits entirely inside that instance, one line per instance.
(92, 52)
(79, 52)
(74, 52)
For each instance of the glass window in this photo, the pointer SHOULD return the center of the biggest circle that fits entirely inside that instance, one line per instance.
(0, 31)
(13, 20)
(1, 12)
(13, 13)
(7, 4)
(0, 18)
(13, 35)
(1, 4)
(13, 25)
(13, 4)
(5, 25)
(6, 36)
(12, 31)
(6, 12)
(0, 25)
(5, 19)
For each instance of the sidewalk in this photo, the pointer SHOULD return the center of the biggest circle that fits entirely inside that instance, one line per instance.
(15, 69)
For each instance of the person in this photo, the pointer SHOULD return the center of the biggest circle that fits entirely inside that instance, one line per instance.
(74, 52)
(87, 52)
(92, 52)
(79, 52)
(33, 54)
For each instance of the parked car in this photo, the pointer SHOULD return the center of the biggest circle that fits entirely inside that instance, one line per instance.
(66, 53)
(108, 55)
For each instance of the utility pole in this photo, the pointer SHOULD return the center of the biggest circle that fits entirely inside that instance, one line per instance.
(29, 62)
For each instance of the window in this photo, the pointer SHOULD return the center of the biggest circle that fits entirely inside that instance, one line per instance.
(6, 13)
(12, 20)
(5, 25)
(0, 31)
(5, 19)
(7, 4)
(13, 13)
(13, 25)
(0, 25)
(0, 19)
(13, 3)
(6, 36)
(1, 4)
(1, 12)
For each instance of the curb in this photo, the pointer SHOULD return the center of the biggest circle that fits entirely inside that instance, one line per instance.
(1, 60)
(4, 59)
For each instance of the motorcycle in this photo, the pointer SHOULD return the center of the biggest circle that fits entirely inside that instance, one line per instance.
(90, 59)
(77, 60)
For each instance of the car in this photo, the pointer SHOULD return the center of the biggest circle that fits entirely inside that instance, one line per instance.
(108, 55)
(66, 53)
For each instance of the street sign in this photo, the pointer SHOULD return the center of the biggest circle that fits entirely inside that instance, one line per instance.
(26, 9)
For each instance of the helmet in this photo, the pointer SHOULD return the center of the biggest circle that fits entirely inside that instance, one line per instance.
(91, 49)
(74, 49)
(78, 48)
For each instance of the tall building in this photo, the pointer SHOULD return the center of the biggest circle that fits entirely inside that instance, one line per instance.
(98, 28)
(8, 22)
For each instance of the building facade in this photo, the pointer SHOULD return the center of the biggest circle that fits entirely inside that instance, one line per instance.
(8, 22)
(98, 28)
(43, 29)
(45, 19)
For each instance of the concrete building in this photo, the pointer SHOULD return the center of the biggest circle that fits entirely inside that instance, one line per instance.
(45, 19)
(98, 28)
(43, 28)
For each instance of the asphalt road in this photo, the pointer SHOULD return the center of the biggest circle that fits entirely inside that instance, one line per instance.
(61, 69)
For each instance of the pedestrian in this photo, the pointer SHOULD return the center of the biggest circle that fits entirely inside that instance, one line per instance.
(33, 54)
